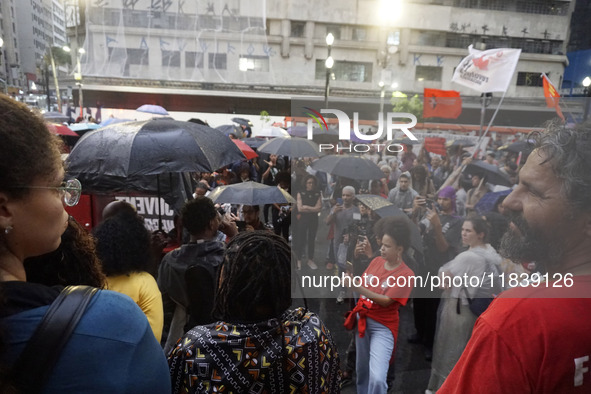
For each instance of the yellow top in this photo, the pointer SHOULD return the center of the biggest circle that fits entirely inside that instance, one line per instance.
(143, 289)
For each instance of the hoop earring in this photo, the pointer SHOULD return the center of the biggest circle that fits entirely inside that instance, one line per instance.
(7, 230)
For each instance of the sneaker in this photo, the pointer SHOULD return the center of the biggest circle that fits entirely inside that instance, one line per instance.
(341, 297)
(312, 265)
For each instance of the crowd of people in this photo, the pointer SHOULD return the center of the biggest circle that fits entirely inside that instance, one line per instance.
(216, 313)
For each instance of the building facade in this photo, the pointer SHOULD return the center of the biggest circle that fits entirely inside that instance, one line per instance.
(207, 55)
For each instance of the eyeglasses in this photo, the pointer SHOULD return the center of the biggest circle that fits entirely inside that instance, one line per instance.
(70, 190)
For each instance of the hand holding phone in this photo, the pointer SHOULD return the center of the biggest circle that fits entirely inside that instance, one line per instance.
(241, 224)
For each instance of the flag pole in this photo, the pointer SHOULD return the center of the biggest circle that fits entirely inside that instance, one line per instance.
(489, 123)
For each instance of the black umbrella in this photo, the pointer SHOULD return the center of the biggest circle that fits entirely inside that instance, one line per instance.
(493, 173)
(320, 136)
(526, 147)
(228, 129)
(384, 208)
(56, 117)
(292, 147)
(352, 167)
(134, 150)
(250, 193)
(242, 121)
(152, 147)
(198, 121)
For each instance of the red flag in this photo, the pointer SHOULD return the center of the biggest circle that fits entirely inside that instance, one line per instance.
(435, 145)
(552, 96)
(441, 104)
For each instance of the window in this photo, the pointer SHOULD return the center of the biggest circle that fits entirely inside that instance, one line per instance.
(193, 59)
(346, 71)
(359, 34)
(393, 38)
(298, 29)
(335, 30)
(253, 63)
(171, 58)
(529, 79)
(427, 38)
(137, 56)
(428, 73)
(217, 61)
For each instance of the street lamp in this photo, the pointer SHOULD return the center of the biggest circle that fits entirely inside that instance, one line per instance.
(587, 92)
(328, 64)
(78, 76)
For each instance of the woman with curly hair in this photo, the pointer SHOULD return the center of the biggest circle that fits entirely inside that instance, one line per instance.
(73, 263)
(274, 349)
(123, 246)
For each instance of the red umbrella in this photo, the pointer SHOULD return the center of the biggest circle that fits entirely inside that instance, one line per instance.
(60, 129)
(246, 150)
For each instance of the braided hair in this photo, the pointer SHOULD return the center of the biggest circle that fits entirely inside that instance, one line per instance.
(254, 283)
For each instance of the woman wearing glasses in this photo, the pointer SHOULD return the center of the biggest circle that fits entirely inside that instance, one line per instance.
(112, 349)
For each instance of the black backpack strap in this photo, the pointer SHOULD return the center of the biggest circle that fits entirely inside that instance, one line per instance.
(35, 364)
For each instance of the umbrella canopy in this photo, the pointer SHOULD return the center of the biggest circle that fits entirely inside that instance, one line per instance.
(198, 121)
(254, 142)
(526, 147)
(152, 109)
(61, 129)
(110, 121)
(245, 149)
(84, 126)
(56, 117)
(292, 147)
(250, 193)
(384, 208)
(152, 147)
(228, 129)
(492, 172)
(353, 167)
(299, 131)
(330, 136)
(489, 200)
(242, 121)
(272, 131)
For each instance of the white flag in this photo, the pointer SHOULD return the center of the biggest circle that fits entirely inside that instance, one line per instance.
(487, 71)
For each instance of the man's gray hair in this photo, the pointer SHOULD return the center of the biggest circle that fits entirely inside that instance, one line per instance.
(349, 188)
(568, 151)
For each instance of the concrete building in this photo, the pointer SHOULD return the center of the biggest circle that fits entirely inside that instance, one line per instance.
(40, 25)
(211, 57)
(10, 71)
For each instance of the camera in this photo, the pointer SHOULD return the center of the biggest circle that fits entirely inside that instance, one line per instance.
(283, 213)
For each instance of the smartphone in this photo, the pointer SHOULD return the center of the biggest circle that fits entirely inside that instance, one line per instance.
(361, 238)
(241, 224)
(429, 203)
(339, 201)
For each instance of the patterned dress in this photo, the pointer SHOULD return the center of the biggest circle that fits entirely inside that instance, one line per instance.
(294, 353)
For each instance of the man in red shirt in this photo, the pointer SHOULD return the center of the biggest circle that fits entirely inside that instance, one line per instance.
(537, 339)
